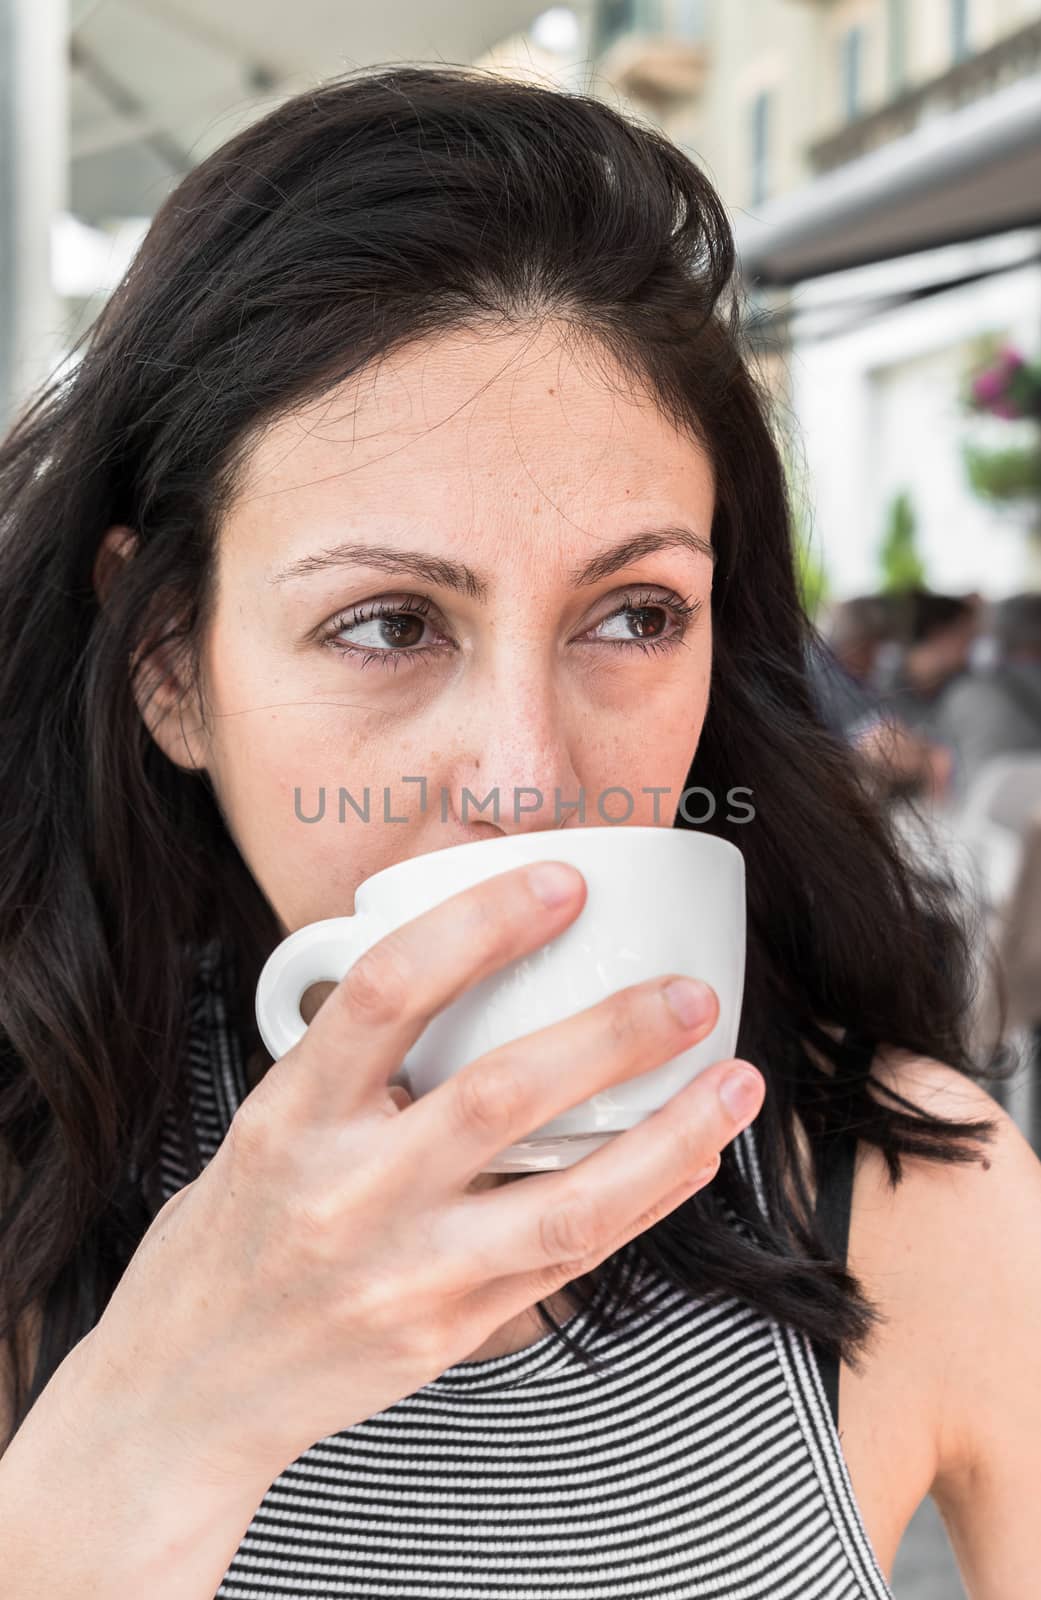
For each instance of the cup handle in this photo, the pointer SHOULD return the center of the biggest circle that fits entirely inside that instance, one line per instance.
(320, 952)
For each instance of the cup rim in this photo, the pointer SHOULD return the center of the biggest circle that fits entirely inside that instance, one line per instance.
(713, 839)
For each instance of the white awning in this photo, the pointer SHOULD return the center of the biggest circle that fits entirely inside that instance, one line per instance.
(965, 174)
(156, 85)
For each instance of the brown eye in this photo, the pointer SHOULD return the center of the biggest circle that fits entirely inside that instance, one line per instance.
(649, 622)
(390, 629)
(384, 632)
(643, 622)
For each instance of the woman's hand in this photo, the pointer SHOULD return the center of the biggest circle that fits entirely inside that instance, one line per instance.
(329, 1260)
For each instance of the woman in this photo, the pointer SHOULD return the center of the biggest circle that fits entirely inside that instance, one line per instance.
(420, 443)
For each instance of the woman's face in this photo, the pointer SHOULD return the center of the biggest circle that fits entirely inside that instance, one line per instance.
(477, 490)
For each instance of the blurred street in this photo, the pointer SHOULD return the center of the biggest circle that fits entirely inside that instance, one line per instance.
(925, 1568)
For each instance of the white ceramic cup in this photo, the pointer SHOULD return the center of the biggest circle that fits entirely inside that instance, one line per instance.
(659, 900)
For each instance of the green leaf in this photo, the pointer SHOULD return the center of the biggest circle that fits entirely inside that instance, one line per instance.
(901, 565)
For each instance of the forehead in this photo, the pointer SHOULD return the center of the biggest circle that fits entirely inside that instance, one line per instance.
(470, 436)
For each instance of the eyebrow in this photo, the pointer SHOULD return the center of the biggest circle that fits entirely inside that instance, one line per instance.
(456, 575)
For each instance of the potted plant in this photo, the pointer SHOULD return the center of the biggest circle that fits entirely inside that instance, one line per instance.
(902, 566)
(1004, 384)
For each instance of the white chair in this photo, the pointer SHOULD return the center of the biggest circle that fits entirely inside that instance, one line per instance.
(991, 843)
(993, 819)
(1014, 949)
(991, 846)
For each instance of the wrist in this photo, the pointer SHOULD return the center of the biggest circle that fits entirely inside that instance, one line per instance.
(187, 1435)
(101, 1495)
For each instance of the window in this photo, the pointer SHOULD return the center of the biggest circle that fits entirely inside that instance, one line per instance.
(760, 183)
(851, 52)
(959, 29)
(896, 43)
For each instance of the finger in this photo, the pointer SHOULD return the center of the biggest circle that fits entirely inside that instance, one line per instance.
(497, 1302)
(454, 1131)
(365, 1027)
(557, 1225)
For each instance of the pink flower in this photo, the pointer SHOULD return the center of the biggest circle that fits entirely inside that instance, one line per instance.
(988, 386)
(1008, 388)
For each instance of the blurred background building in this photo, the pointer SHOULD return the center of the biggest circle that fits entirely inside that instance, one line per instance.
(881, 162)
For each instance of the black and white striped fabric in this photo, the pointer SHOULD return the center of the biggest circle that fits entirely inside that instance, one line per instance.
(703, 1464)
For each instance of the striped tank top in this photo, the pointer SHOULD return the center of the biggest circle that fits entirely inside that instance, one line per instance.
(703, 1463)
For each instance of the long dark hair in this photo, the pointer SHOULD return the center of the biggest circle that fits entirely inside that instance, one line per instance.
(384, 206)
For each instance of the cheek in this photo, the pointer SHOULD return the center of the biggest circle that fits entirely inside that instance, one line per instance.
(648, 750)
(294, 780)
(275, 760)
(280, 788)
(278, 728)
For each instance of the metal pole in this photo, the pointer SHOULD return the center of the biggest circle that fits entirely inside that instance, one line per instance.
(7, 242)
(33, 190)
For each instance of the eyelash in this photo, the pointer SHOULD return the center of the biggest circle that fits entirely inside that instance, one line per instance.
(681, 611)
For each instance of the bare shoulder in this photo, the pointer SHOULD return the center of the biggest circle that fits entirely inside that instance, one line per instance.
(957, 1245)
(934, 1087)
(953, 1252)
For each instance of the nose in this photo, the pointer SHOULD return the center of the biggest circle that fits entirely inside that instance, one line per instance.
(515, 771)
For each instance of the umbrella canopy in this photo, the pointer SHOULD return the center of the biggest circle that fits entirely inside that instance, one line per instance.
(156, 85)
(967, 174)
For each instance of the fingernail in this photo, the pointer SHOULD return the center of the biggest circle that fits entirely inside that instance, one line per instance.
(690, 999)
(553, 882)
(741, 1092)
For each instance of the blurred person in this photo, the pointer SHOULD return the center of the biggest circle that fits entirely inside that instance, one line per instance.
(898, 762)
(937, 633)
(857, 631)
(984, 652)
(996, 710)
